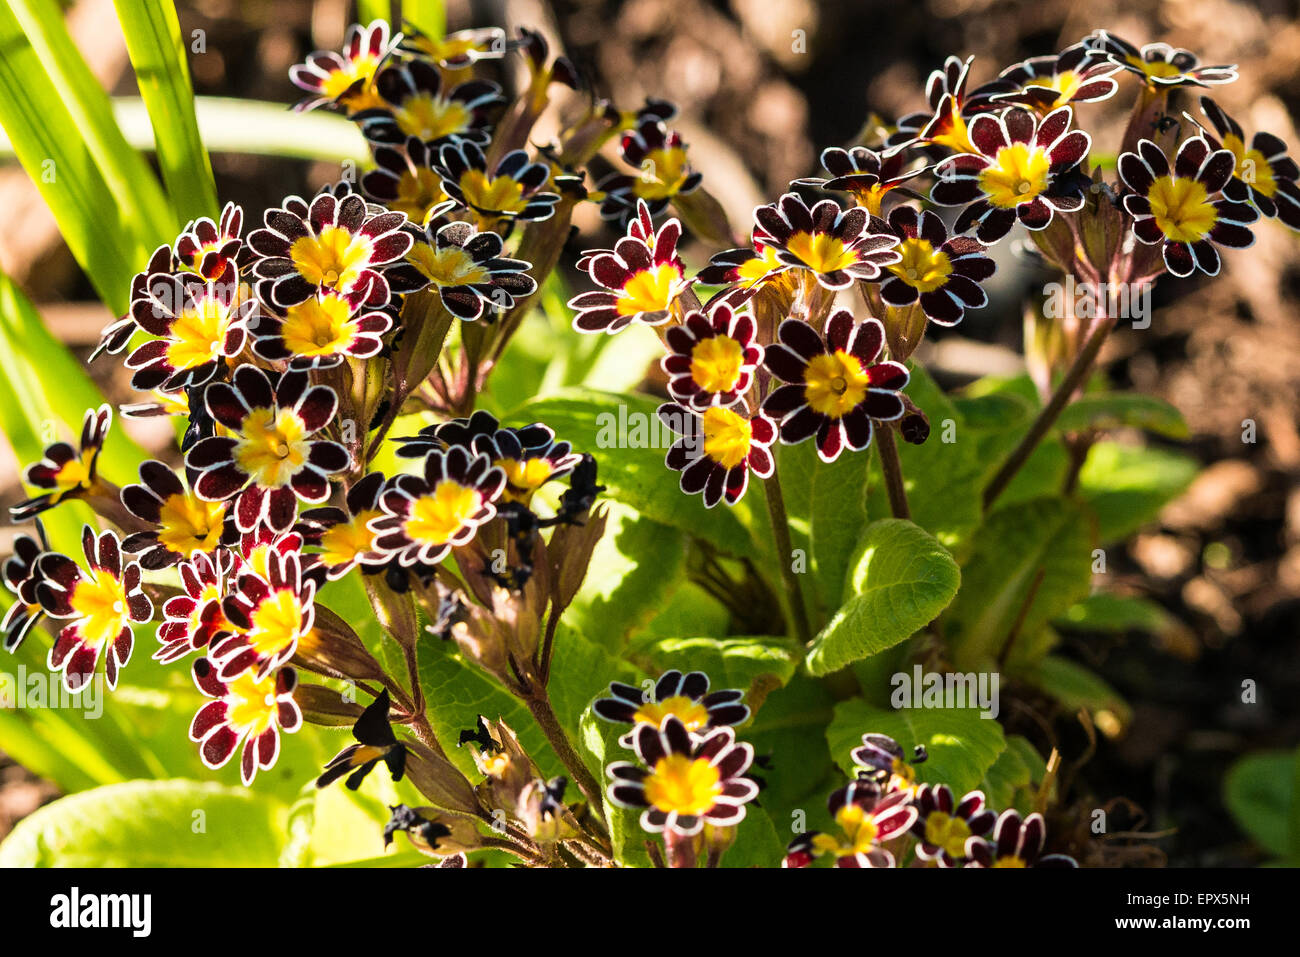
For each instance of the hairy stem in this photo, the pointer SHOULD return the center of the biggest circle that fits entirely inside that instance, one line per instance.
(893, 470)
(540, 705)
(784, 552)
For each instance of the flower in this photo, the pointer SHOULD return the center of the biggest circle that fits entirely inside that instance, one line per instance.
(940, 273)
(456, 50)
(412, 103)
(1265, 175)
(270, 614)
(944, 124)
(425, 515)
(642, 277)
(511, 191)
(463, 432)
(866, 819)
(685, 697)
(837, 246)
(711, 358)
(685, 782)
(322, 330)
(251, 710)
(1025, 169)
(882, 758)
(1183, 208)
(404, 180)
(201, 324)
(1078, 74)
(748, 269)
(1159, 64)
(344, 78)
(343, 535)
(100, 606)
(1016, 843)
(834, 388)
(116, 336)
(192, 618)
(865, 173)
(467, 269)
(375, 742)
(943, 830)
(184, 524)
(269, 459)
(718, 449)
(335, 243)
(527, 467)
(207, 248)
(21, 576)
(66, 472)
(664, 172)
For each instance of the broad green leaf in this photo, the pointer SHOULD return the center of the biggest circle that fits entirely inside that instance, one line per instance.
(1118, 409)
(788, 735)
(1075, 687)
(1010, 782)
(757, 666)
(688, 609)
(1260, 791)
(151, 824)
(900, 578)
(158, 54)
(1029, 562)
(1128, 485)
(1107, 612)
(598, 743)
(961, 745)
(757, 843)
(580, 672)
(838, 515)
(428, 16)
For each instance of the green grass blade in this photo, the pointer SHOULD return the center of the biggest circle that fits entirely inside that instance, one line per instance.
(370, 10)
(158, 54)
(427, 16)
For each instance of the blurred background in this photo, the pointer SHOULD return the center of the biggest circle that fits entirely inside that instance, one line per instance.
(763, 86)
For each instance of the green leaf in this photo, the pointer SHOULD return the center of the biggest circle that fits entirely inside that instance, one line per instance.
(427, 16)
(1107, 612)
(598, 740)
(838, 515)
(1119, 409)
(151, 824)
(789, 733)
(158, 54)
(1075, 687)
(900, 578)
(1010, 781)
(369, 11)
(1028, 563)
(1128, 485)
(1260, 792)
(757, 842)
(961, 745)
(755, 665)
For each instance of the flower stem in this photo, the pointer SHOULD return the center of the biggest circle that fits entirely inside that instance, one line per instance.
(1074, 378)
(893, 469)
(785, 552)
(540, 705)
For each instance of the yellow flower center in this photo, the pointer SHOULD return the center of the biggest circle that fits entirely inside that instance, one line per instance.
(689, 786)
(858, 827)
(947, 832)
(727, 436)
(753, 271)
(251, 703)
(338, 81)
(524, 477)
(1017, 175)
(417, 193)
(835, 383)
(691, 713)
(1252, 167)
(922, 266)
(662, 174)
(319, 326)
(1065, 84)
(1181, 208)
(73, 474)
(188, 524)
(199, 332)
(955, 134)
(449, 266)
(821, 252)
(271, 446)
(333, 259)
(1009, 862)
(100, 601)
(650, 290)
(498, 194)
(431, 117)
(277, 623)
(209, 593)
(343, 542)
(435, 518)
(1154, 68)
(716, 362)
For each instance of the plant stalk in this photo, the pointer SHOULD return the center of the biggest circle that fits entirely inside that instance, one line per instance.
(893, 469)
(784, 552)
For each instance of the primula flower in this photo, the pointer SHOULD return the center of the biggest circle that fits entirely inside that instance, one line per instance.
(837, 245)
(270, 614)
(269, 459)
(711, 358)
(686, 782)
(466, 267)
(207, 248)
(1016, 842)
(332, 243)
(718, 449)
(464, 431)
(659, 155)
(1183, 208)
(527, 467)
(251, 710)
(343, 535)
(100, 605)
(405, 181)
(942, 273)
(747, 269)
(866, 819)
(1078, 74)
(1265, 175)
(1159, 64)
(375, 742)
(426, 515)
(457, 50)
(512, 190)
(642, 277)
(413, 103)
(882, 758)
(685, 697)
(192, 619)
(834, 388)
(864, 173)
(66, 472)
(1025, 169)
(344, 78)
(184, 525)
(116, 336)
(21, 577)
(322, 330)
(945, 826)
(951, 104)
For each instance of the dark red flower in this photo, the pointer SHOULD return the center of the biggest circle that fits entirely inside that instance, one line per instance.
(250, 710)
